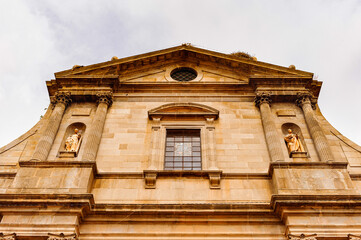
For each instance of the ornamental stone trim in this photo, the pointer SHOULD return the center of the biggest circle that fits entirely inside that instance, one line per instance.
(62, 236)
(302, 237)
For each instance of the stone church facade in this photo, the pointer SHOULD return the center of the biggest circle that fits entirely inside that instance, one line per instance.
(181, 143)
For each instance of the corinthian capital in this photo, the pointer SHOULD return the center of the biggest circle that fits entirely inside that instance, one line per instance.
(302, 237)
(62, 236)
(262, 97)
(105, 97)
(304, 98)
(61, 97)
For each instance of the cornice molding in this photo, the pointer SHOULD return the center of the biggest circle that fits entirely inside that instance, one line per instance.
(181, 51)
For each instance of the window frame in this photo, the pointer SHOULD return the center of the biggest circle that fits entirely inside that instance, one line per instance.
(183, 161)
(174, 116)
(182, 126)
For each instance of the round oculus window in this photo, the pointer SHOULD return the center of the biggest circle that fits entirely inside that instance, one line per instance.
(183, 74)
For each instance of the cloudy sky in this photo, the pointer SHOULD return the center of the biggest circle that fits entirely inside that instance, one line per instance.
(38, 38)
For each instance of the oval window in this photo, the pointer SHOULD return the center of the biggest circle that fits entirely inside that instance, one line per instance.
(183, 74)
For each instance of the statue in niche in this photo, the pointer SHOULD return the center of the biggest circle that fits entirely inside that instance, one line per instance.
(293, 142)
(72, 142)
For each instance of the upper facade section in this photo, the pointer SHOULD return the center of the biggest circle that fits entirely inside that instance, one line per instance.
(182, 65)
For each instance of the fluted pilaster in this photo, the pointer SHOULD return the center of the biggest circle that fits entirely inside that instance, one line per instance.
(60, 101)
(96, 129)
(319, 138)
(263, 101)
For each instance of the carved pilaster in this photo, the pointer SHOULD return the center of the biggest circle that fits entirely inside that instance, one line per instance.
(353, 237)
(302, 237)
(155, 144)
(262, 100)
(211, 151)
(11, 236)
(96, 128)
(319, 138)
(62, 236)
(60, 101)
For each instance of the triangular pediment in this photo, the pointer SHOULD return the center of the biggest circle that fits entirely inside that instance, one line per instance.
(243, 67)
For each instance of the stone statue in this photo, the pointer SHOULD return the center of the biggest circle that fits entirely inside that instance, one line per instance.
(72, 141)
(293, 142)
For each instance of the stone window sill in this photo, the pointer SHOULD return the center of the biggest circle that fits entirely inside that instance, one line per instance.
(150, 176)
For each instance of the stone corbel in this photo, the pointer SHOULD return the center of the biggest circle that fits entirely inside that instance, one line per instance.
(353, 237)
(302, 237)
(62, 236)
(150, 178)
(215, 180)
(156, 123)
(11, 236)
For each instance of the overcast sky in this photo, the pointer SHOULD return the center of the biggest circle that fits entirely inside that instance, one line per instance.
(38, 38)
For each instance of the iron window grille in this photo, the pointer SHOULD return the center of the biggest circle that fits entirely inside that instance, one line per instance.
(183, 150)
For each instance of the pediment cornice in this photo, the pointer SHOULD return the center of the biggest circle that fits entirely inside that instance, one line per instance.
(184, 52)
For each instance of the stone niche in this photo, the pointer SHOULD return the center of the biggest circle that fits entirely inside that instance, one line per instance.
(66, 150)
(297, 131)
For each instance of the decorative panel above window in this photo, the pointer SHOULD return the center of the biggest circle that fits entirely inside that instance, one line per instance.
(185, 110)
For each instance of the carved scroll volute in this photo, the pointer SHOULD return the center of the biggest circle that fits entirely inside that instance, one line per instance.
(302, 237)
(62, 236)
(11, 236)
